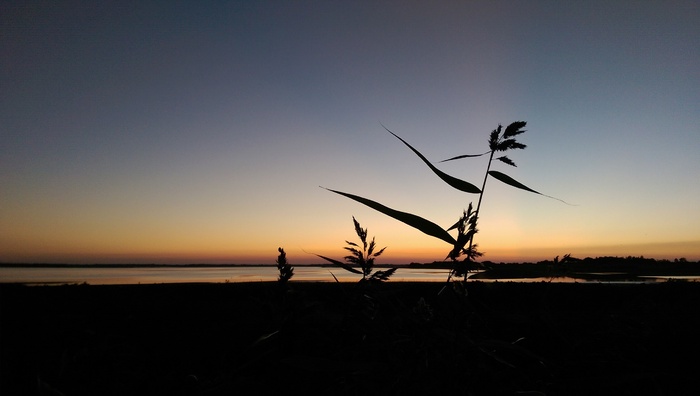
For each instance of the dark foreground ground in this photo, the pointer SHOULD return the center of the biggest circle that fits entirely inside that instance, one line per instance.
(328, 338)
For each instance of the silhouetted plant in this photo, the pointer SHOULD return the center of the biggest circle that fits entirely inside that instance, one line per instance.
(567, 258)
(558, 266)
(286, 270)
(466, 229)
(499, 141)
(362, 257)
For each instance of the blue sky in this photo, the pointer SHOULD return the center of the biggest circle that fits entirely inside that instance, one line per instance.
(201, 131)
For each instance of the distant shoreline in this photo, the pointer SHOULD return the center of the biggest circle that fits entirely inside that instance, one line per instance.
(61, 265)
(65, 265)
(597, 262)
(573, 267)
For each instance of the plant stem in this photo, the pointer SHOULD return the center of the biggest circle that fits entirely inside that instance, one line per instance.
(483, 186)
(478, 206)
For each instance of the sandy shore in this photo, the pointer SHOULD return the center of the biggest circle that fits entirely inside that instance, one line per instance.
(323, 338)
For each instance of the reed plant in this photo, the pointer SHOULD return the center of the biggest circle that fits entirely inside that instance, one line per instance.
(362, 256)
(286, 270)
(500, 141)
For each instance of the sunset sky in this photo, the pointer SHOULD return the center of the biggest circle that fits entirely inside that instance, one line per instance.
(200, 132)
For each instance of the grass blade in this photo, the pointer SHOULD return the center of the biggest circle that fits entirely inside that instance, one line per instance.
(341, 264)
(510, 181)
(336, 279)
(465, 156)
(417, 222)
(451, 180)
(514, 183)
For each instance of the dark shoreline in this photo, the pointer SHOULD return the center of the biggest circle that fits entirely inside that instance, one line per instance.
(392, 338)
(599, 268)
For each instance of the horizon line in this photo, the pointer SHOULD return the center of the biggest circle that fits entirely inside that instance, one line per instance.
(322, 264)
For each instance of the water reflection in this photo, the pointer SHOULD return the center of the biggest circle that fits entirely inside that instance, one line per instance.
(130, 275)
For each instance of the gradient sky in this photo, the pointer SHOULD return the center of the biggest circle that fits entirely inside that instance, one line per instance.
(200, 132)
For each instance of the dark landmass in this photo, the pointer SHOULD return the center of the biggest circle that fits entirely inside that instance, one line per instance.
(600, 268)
(588, 268)
(350, 339)
(588, 264)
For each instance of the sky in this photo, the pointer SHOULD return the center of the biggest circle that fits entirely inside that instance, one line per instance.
(201, 132)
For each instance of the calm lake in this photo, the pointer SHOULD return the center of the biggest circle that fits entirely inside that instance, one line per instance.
(132, 275)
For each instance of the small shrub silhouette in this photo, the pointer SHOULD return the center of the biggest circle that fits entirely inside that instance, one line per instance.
(286, 270)
(362, 257)
(500, 140)
(466, 229)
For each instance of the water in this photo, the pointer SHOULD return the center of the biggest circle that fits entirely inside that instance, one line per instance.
(131, 275)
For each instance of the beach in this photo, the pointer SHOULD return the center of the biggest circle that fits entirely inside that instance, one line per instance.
(348, 338)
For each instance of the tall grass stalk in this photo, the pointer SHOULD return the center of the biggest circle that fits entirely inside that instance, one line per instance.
(286, 271)
(497, 142)
(362, 257)
(500, 140)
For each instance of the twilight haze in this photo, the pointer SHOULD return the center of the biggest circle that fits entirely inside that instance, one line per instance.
(200, 132)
